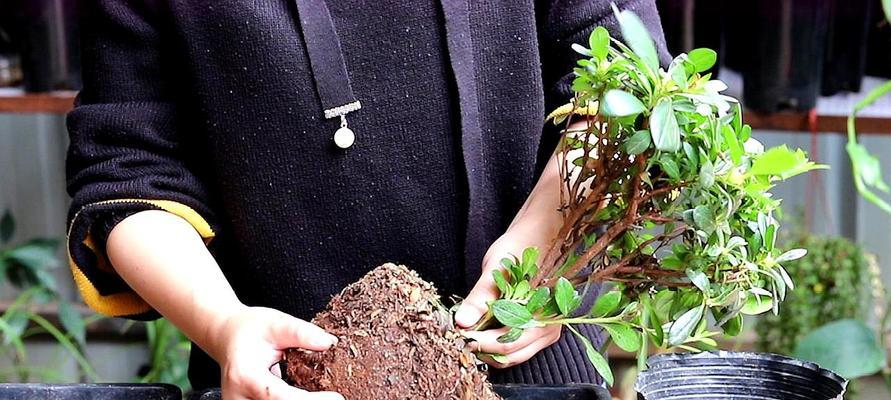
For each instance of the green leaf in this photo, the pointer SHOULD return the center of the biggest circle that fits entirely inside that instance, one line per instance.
(521, 290)
(638, 143)
(681, 328)
(704, 218)
(699, 279)
(636, 36)
(658, 335)
(847, 347)
(595, 358)
(784, 163)
(606, 304)
(702, 59)
(756, 304)
(72, 322)
(581, 50)
(623, 336)
(565, 296)
(529, 260)
(501, 283)
(619, 103)
(512, 314)
(733, 326)
(7, 227)
(499, 358)
(732, 141)
(538, 300)
(511, 336)
(679, 76)
(15, 323)
(670, 167)
(664, 127)
(36, 254)
(791, 255)
(599, 42)
(707, 175)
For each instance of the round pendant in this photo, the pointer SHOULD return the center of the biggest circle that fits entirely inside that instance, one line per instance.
(344, 137)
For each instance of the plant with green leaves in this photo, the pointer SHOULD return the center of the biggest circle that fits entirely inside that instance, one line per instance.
(829, 287)
(665, 196)
(27, 266)
(866, 168)
(168, 355)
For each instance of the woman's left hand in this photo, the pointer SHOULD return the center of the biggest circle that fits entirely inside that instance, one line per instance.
(537, 224)
(477, 302)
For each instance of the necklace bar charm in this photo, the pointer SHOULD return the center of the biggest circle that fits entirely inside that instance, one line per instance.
(344, 137)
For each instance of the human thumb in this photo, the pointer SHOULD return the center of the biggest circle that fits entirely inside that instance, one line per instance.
(293, 332)
(477, 302)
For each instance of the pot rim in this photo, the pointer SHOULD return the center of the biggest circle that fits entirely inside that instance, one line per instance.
(89, 385)
(656, 360)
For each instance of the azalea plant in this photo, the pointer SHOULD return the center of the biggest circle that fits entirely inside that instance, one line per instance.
(665, 196)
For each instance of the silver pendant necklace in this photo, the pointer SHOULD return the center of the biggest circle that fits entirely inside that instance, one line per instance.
(344, 137)
(332, 80)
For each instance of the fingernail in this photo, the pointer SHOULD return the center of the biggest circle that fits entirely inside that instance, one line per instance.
(325, 341)
(466, 316)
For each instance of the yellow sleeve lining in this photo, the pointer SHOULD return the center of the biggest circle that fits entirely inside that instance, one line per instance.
(126, 303)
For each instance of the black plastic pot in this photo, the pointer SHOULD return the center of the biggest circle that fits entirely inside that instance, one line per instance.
(846, 46)
(29, 391)
(780, 46)
(508, 392)
(741, 376)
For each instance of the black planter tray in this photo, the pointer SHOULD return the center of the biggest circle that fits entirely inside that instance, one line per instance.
(508, 392)
(32, 391)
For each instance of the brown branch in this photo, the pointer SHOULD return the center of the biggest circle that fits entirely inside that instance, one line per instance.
(663, 190)
(655, 282)
(621, 226)
(659, 219)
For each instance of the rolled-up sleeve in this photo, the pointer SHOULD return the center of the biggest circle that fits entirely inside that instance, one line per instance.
(127, 149)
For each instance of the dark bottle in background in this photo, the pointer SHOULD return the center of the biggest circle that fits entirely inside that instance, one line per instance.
(10, 67)
(44, 33)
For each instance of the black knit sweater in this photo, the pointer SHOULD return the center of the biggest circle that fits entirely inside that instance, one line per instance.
(208, 110)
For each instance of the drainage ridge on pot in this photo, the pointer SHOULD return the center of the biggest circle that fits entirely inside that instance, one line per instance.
(735, 375)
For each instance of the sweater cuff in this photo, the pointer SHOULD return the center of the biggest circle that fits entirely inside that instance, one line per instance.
(101, 287)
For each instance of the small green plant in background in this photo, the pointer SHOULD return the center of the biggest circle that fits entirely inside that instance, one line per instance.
(27, 267)
(829, 284)
(168, 355)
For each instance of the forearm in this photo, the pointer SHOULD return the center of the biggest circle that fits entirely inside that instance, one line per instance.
(164, 260)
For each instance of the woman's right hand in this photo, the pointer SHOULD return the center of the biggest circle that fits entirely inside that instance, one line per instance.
(250, 341)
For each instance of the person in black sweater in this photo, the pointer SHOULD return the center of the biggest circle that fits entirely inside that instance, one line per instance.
(234, 164)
